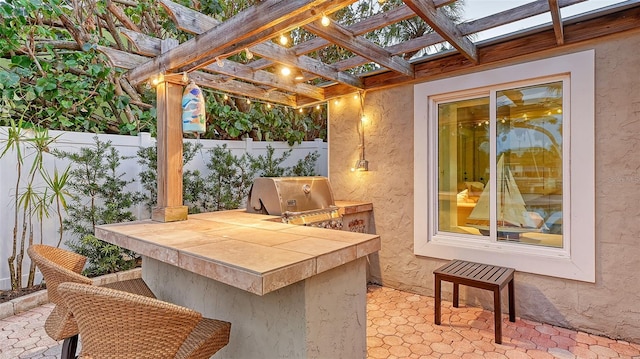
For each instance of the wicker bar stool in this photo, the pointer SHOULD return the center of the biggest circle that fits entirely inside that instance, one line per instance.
(58, 266)
(119, 325)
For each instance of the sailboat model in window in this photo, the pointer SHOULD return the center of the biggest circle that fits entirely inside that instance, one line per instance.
(512, 215)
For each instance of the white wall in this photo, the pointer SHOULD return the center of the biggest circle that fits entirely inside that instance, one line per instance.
(126, 146)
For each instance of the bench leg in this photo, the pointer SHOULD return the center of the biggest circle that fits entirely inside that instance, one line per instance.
(512, 300)
(456, 295)
(436, 315)
(497, 308)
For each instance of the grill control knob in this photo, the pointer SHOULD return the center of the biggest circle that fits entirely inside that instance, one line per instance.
(306, 189)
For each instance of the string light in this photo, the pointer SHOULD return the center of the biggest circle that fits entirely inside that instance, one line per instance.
(268, 105)
(185, 77)
(158, 79)
(325, 21)
(283, 40)
(248, 53)
(219, 62)
(285, 71)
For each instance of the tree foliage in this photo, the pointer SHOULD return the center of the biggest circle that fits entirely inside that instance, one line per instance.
(52, 74)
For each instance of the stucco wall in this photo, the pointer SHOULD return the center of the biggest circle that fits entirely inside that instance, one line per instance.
(607, 307)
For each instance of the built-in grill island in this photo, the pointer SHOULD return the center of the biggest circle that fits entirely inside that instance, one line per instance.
(307, 201)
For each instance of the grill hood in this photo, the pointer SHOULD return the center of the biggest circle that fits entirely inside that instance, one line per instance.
(281, 195)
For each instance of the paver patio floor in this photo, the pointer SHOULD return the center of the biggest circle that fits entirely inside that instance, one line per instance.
(399, 325)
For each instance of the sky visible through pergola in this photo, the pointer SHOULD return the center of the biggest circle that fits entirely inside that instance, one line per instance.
(475, 9)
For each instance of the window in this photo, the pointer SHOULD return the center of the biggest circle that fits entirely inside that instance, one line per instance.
(506, 176)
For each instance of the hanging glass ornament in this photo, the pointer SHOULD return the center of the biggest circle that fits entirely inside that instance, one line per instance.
(193, 109)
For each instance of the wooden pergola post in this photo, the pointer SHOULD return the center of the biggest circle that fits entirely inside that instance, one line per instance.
(170, 207)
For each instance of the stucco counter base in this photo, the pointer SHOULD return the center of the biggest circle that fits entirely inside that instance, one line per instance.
(289, 291)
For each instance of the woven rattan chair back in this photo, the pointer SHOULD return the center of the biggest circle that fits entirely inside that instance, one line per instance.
(58, 266)
(115, 324)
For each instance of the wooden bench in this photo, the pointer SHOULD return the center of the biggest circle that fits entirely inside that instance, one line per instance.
(477, 275)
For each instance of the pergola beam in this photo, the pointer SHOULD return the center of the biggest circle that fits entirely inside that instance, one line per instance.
(440, 23)
(357, 44)
(192, 21)
(149, 46)
(554, 8)
(249, 27)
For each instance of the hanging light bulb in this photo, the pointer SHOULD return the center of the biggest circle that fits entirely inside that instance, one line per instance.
(301, 110)
(248, 53)
(268, 105)
(185, 77)
(158, 79)
(248, 102)
(325, 21)
(285, 71)
(219, 62)
(283, 40)
(317, 107)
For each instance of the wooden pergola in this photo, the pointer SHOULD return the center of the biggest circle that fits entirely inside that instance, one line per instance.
(204, 58)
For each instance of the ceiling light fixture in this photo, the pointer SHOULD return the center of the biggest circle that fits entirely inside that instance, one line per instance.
(325, 21)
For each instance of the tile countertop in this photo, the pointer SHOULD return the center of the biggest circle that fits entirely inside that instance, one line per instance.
(244, 250)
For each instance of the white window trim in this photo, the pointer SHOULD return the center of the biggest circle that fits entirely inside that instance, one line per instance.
(577, 259)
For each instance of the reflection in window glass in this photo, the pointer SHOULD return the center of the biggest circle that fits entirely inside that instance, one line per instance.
(529, 158)
(463, 161)
(528, 175)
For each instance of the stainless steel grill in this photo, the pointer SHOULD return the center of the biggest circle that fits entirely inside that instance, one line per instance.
(297, 200)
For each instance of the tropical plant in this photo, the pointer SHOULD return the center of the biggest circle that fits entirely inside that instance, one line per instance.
(269, 165)
(98, 196)
(305, 166)
(229, 180)
(52, 73)
(30, 199)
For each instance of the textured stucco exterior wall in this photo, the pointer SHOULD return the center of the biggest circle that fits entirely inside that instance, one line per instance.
(610, 306)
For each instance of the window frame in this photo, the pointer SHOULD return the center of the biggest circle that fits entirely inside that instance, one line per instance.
(576, 260)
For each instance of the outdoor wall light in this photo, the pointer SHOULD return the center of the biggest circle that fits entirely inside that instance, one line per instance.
(361, 164)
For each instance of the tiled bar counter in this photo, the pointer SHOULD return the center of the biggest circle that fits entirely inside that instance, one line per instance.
(289, 291)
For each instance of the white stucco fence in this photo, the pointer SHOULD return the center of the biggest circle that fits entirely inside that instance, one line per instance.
(126, 146)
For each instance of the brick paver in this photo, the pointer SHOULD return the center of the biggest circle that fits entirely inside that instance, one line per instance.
(399, 325)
